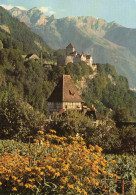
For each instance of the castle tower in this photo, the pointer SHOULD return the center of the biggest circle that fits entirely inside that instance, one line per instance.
(69, 49)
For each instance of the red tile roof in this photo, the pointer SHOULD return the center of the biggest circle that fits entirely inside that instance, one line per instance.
(65, 91)
(61, 111)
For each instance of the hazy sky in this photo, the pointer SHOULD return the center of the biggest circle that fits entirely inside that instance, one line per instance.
(121, 11)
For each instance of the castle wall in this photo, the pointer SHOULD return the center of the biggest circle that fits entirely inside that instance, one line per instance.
(73, 57)
(83, 58)
(68, 59)
(74, 54)
(69, 50)
(89, 61)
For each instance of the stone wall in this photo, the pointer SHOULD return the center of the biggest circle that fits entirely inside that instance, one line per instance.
(69, 50)
(83, 58)
(68, 59)
(89, 61)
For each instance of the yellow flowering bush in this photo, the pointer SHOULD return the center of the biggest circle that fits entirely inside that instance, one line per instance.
(53, 164)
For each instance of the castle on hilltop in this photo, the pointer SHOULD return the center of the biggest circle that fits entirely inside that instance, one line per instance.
(74, 57)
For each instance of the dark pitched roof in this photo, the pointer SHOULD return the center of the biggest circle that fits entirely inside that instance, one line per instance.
(61, 111)
(65, 91)
(70, 46)
(31, 54)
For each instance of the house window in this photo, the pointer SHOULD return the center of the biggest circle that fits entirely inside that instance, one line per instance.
(71, 93)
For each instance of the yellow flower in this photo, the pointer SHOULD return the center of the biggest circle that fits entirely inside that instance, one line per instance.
(84, 192)
(96, 183)
(110, 174)
(64, 179)
(113, 161)
(31, 180)
(52, 131)
(7, 178)
(14, 189)
(70, 186)
(91, 147)
(37, 168)
(78, 189)
(13, 177)
(19, 180)
(27, 169)
(21, 184)
(87, 180)
(48, 167)
(42, 173)
(98, 148)
(27, 185)
(61, 187)
(40, 132)
(119, 177)
(57, 174)
(0, 183)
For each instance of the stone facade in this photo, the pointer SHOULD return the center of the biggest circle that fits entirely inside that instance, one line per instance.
(83, 57)
(69, 59)
(89, 59)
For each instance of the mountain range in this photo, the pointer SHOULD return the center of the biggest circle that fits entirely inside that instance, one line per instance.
(17, 35)
(106, 42)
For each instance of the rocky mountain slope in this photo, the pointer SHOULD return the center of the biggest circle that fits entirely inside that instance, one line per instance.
(106, 42)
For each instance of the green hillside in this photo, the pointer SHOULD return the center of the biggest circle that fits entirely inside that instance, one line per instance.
(17, 35)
